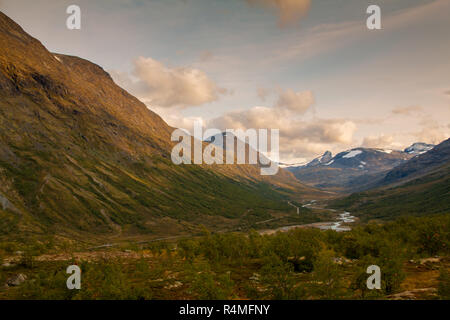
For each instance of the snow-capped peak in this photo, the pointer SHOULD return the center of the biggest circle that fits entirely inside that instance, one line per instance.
(325, 158)
(419, 148)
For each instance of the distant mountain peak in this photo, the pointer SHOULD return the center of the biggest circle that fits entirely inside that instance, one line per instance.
(323, 159)
(419, 148)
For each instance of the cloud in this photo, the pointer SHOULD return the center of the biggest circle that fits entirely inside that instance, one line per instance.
(407, 110)
(432, 135)
(299, 138)
(432, 132)
(289, 12)
(295, 101)
(175, 118)
(323, 130)
(307, 139)
(381, 141)
(163, 86)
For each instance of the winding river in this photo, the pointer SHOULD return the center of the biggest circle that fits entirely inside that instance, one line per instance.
(338, 225)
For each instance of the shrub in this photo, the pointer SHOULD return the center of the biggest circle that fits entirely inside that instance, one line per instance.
(327, 276)
(279, 279)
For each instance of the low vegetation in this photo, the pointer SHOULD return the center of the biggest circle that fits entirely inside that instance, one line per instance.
(413, 254)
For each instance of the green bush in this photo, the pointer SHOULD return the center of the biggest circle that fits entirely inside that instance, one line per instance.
(327, 276)
(206, 285)
(279, 280)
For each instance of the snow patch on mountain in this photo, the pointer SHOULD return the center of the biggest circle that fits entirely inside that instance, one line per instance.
(419, 148)
(325, 158)
(352, 153)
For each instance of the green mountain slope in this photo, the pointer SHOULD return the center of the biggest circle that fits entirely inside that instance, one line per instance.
(428, 194)
(81, 156)
(420, 165)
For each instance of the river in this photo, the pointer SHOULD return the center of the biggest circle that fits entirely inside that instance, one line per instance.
(342, 218)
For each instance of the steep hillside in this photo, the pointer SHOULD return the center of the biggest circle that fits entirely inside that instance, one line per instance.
(79, 155)
(420, 165)
(429, 194)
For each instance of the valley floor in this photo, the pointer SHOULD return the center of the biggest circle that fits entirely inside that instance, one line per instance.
(302, 263)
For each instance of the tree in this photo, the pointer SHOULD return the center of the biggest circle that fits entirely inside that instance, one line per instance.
(391, 265)
(327, 276)
(359, 279)
(207, 285)
(279, 279)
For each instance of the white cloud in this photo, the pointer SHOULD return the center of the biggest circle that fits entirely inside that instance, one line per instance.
(299, 138)
(175, 118)
(295, 101)
(433, 135)
(163, 86)
(379, 141)
(432, 131)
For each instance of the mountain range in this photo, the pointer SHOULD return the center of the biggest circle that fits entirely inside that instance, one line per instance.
(420, 186)
(356, 169)
(80, 156)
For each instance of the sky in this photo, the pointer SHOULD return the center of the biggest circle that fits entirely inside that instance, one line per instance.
(310, 68)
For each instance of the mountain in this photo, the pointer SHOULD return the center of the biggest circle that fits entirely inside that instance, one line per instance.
(250, 151)
(419, 148)
(81, 157)
(282, 178)
(322, 160)
(420, 165)
(351, 170)
(419, 186)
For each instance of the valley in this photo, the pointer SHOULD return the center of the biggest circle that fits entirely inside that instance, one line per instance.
(87, 179)
(82, 158)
